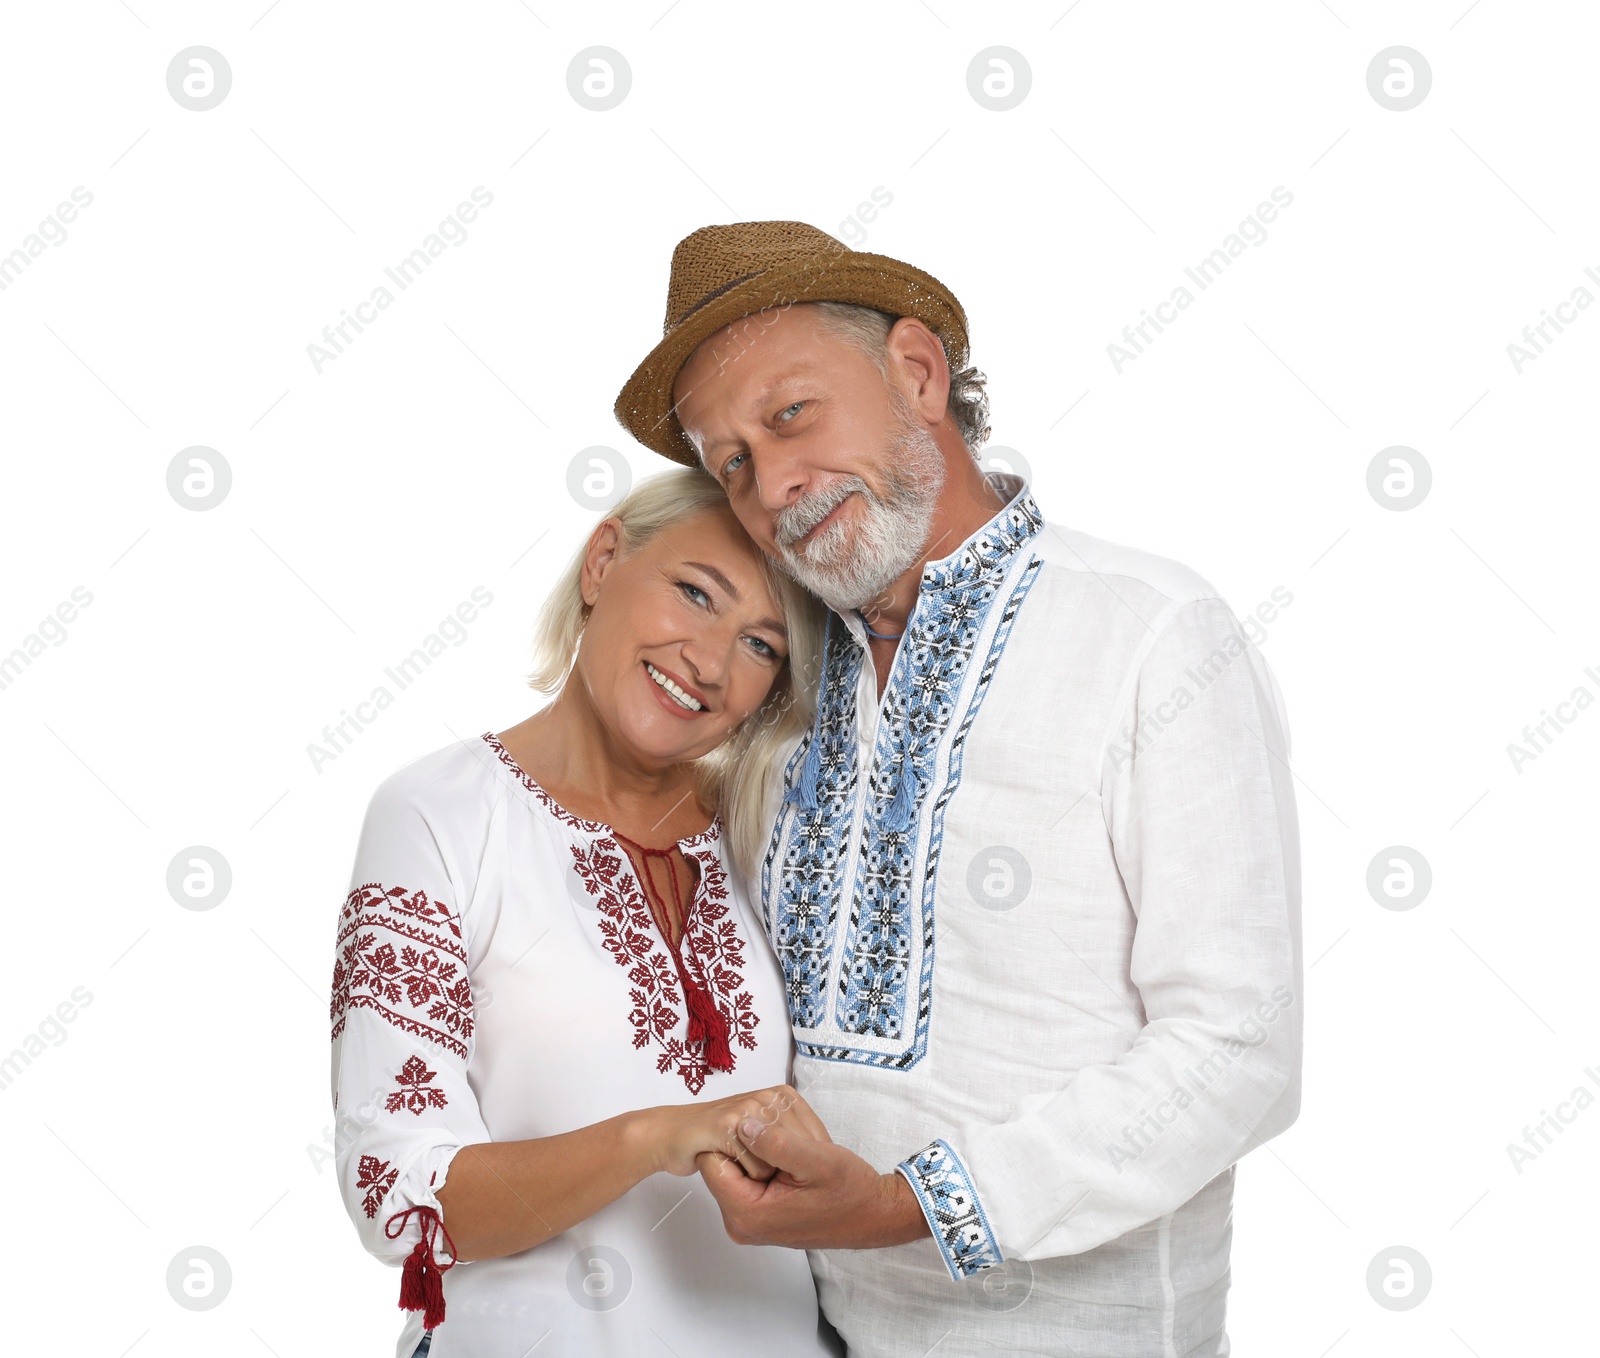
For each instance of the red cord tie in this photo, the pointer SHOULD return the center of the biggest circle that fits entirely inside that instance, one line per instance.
(708, 1026)
(422, 1278)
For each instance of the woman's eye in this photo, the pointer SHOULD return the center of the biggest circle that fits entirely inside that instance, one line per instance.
(695, 593)
(765, 649)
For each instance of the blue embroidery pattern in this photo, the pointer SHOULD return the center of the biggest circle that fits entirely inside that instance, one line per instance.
(919, 704)
(950, 1202)
(817, 845)
(921, 701)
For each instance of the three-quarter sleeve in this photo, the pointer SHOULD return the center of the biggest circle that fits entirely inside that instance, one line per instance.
(402, 1018)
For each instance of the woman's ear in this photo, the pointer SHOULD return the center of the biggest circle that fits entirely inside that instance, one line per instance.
(603, 552)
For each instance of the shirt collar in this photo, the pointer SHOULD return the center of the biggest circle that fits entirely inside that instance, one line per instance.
(993, 546)
(989, 551)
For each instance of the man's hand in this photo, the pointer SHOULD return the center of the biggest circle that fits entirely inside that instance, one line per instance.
(823, 1196)
(673, 1136)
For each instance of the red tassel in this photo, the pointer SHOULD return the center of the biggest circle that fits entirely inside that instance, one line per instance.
(422, 1279)
(708, 1026)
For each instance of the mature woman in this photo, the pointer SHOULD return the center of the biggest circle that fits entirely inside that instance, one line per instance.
(551, 993)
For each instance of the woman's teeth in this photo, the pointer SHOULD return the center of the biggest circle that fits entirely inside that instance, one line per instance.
(673, 691)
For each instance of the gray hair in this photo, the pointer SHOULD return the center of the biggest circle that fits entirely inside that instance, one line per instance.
(738, 776)
(868, 328)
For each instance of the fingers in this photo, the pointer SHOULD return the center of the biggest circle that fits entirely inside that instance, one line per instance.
(753, 1165)
(779, 1106)
(772, 1139)
(792, 1111)
(764, 1106)
(732, 1190)
(711, 1164)
(782, 1105)
(725, 1178)
(800, 1157)
(727, 1145)
(804, 1116)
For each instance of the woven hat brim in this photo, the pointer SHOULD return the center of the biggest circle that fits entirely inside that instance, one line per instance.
(645, 406)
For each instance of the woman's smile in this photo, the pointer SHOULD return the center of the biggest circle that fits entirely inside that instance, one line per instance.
(677, 697)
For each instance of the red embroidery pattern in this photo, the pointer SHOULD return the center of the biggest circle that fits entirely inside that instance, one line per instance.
(717, 947)
(711, 946)
(377, 1178)
(550, 804)
(400, 955)
(415, 1093)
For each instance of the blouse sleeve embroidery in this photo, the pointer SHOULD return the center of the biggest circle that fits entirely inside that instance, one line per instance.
(401, 1014)
(400, 955)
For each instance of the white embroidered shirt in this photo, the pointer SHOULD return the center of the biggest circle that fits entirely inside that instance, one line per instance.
(1038, 916)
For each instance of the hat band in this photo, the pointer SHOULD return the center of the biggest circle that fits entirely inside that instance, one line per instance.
(714, 294)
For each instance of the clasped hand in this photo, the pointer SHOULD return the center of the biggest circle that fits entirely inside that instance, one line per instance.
(780, 1179)
(690, 1132)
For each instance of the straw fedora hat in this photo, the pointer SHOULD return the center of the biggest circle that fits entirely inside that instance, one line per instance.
(721, 273)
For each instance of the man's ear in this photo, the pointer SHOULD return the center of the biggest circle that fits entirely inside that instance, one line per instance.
(602, 553)
(916, 359)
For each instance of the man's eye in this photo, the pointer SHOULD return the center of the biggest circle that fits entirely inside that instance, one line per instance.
(733, 463)
(782, 414)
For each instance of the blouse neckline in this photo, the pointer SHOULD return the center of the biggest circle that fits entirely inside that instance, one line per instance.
(706, 839)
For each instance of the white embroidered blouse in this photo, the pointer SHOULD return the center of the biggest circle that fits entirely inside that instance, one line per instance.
(498, 977)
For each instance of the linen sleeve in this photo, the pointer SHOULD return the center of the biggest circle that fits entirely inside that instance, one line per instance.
(402, 1019)
(1201, 815)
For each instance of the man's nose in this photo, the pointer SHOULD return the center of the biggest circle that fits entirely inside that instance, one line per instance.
(781, 476)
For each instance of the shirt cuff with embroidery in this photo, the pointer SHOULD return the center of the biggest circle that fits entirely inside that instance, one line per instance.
(949, 1201)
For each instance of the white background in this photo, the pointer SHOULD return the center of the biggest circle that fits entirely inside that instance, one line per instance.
(187, 1103)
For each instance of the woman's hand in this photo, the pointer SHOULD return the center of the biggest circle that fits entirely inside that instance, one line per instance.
(678, 1133)
(503, 1197)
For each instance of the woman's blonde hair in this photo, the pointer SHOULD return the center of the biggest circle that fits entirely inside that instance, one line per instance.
(735, 776)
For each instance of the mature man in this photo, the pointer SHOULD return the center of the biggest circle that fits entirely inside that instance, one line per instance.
(1034, 877)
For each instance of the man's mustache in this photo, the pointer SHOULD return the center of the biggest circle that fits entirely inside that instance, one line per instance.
(806, 513)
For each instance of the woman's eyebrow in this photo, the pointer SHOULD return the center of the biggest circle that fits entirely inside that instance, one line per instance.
(727, 586)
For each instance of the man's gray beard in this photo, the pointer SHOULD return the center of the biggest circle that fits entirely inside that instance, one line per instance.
(848, 566)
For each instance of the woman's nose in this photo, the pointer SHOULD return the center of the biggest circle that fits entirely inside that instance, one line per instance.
(706, 656)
